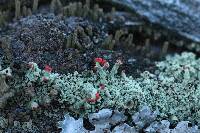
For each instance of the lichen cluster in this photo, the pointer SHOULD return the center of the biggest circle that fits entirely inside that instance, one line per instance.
(79, 90)
(5, 91)
(173, 89)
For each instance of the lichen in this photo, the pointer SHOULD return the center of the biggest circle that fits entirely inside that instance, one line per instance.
(103, 121)
(71, 125)
(5, 91)
(40, 81)
(164, 126)
(3, 123)
(174, 87)
(80, 91)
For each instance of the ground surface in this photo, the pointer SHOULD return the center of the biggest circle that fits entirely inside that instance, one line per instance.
(44, 39)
